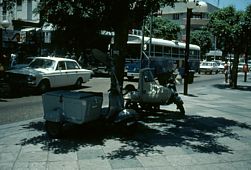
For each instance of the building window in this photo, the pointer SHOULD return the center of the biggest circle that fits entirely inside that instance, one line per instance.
(19, 5)
(176, 16)
(19, 2)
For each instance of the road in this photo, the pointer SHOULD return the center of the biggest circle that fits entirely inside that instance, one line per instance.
(27, 106)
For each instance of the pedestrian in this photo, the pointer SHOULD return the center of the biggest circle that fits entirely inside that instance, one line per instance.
(226, 71)
(13, 60)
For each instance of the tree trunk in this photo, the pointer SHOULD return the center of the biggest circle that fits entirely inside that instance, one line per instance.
(235, 71)
(116, 102)
(120, 27)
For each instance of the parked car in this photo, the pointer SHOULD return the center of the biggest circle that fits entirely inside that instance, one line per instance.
(240, 66)
(209, 67)
(220, 65)
(23, 64)
(44, 73)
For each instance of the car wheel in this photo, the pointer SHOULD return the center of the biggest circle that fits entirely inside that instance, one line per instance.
(43, 86)
(79, 82)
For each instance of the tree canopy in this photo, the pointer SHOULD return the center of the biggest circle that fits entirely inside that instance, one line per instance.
(162, 28)
(231, 27)
(87, 17)
(202, 38)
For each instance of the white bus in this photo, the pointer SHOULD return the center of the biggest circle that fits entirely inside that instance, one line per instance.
(162, 55)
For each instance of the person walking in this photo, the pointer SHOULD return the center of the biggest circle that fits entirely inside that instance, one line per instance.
(226, 71)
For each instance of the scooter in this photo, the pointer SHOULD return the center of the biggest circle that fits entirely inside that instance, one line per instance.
(63, 107)
(150, 95)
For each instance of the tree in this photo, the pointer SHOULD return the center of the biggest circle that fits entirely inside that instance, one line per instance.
(112, 15)
(246, 29)
(225, 25)
(162, 28)
(202, 39)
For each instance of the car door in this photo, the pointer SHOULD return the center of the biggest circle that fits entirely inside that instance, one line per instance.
(61, 76)
(73, 72)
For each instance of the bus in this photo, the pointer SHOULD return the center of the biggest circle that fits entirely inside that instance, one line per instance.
(159, 54)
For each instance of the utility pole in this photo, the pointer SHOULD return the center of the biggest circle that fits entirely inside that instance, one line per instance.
(188, 25)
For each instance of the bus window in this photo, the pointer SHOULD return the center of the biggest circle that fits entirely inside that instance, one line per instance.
(167, 50)
(175, 52)
(193, 54)
(133, 51)
(182, 52)
(158, 50)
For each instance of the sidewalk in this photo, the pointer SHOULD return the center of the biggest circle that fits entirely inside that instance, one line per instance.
(215, 134)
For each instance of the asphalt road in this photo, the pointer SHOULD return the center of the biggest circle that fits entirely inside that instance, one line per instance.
(25, 106)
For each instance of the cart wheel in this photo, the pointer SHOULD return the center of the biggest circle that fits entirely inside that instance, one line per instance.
(54, 129)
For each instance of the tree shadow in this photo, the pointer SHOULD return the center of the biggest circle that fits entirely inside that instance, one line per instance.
(239, 87)
(197, 133)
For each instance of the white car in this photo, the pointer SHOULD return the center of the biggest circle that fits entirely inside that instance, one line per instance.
(44, 73)
(220, 65)
(240, 67)
(209, 67)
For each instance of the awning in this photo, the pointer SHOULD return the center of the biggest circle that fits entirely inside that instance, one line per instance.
(48, 27)
(30, 29)
(214, 53)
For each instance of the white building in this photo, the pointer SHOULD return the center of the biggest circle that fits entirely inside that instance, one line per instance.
(178, 14)
(19, 16)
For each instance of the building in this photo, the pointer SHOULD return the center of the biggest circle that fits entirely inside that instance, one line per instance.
(21, 30)
(178, 14)
(21, 16)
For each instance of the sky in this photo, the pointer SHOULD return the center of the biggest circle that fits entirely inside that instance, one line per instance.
(238, 4)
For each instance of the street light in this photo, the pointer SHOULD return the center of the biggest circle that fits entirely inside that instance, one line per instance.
(5, 24)
(191, 4)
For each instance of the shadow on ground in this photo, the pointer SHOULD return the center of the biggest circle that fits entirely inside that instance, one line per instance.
(239, 87)
(163, 129)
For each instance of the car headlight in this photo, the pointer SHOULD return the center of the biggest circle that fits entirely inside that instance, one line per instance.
(31, 78)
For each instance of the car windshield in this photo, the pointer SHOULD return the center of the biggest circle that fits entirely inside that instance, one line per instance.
(42, 63)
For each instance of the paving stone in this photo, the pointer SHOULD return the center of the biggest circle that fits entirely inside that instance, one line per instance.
(71, 156)
(36, 156)
(90, 154)
(65, 165)
(125, 163)
(94, 164)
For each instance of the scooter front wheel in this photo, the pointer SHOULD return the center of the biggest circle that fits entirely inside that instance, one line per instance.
(181, 108)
